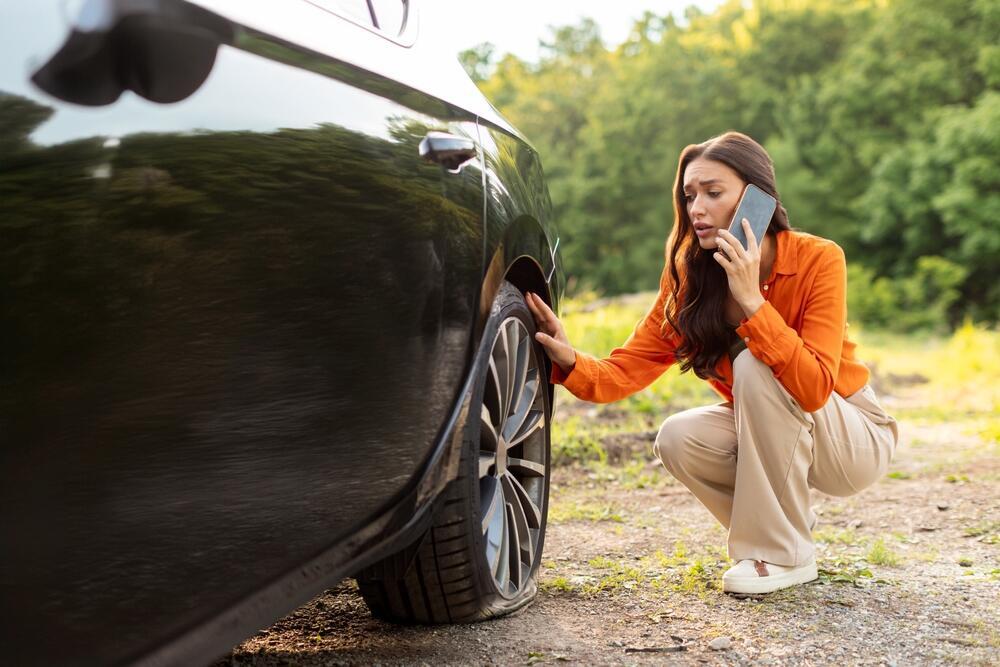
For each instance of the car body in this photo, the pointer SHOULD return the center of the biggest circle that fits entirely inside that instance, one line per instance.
(242, 312)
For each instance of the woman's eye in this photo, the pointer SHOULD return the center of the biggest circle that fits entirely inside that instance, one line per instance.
(713, 195)
(688, 198)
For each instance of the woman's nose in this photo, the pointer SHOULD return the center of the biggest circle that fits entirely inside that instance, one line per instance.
(697, 206)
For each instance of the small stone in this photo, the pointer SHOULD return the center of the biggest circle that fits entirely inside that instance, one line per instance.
(720, 644)
(942, 506)
(855, 524)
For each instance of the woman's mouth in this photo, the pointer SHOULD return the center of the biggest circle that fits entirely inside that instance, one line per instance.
(703, 230)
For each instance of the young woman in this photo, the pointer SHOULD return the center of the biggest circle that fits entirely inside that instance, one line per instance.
(766, 326)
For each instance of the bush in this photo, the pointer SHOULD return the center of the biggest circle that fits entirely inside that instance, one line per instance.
(924, 300)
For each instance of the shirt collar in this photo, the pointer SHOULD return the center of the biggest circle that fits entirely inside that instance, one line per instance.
(786, 259)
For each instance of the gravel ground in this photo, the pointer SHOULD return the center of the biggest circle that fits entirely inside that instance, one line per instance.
(910, 574)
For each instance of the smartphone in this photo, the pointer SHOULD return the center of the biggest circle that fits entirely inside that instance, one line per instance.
(756, 206)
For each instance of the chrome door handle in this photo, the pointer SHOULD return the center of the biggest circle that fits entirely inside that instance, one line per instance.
(447, 149)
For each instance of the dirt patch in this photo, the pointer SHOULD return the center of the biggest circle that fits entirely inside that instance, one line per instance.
(910, 574)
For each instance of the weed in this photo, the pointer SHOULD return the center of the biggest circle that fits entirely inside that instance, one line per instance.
(833, 536)
(986, 531)
(898, 474)
(556, 585)
(620, 576)
(880, 554)
(563, 512)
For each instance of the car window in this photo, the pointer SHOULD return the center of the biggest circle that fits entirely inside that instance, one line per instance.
(356, 10)
(390, 15)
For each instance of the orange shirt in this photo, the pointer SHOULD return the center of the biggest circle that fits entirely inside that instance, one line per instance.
(800, 332)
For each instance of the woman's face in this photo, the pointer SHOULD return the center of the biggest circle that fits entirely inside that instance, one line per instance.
(711, 192)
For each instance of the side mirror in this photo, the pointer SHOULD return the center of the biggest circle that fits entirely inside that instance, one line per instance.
(162, 50)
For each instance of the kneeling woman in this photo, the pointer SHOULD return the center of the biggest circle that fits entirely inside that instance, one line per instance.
(766, 327)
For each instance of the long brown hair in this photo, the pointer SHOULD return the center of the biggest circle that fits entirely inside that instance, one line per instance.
(695, 307)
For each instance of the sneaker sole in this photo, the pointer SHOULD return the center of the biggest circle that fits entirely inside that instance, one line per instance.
(770, 583)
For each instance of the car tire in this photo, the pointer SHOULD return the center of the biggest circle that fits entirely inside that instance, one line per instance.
(479, 559)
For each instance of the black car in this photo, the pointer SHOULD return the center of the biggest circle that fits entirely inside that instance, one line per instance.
(262, 326)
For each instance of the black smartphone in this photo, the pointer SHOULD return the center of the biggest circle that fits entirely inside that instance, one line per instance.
(756, 206)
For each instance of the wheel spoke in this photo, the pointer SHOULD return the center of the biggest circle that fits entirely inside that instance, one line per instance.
(514, 548)
(493, 397)
(486, 462)
(502, 570)
(501, 363)
(525, 542)
(491, 511)
(533, 515)
(533, 422)
(525, 467)
(488, 431)
(524, 401)
(518, 354)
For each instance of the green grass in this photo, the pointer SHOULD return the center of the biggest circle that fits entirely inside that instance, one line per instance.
(556, 585)
(880, 554)
(963, 369)
(561, 512)
(986, 531)
(834, 536)
(577, 439)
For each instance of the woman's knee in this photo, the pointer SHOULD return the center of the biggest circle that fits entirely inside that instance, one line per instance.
(672, 441)
(748, 372)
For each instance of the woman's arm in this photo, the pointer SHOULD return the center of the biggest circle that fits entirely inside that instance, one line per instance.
(806, 362)
(629, 368)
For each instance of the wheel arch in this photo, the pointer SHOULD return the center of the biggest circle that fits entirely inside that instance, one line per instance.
(525, 258)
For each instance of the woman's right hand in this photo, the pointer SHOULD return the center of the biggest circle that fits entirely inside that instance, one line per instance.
(551, 334)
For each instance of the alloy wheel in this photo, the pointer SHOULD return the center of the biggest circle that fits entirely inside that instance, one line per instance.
(512, 458)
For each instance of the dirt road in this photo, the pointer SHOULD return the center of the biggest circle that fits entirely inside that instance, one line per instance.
(910, 575)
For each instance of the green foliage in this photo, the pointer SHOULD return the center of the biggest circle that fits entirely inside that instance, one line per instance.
(921, 300)
(882, 117)
(880, 554)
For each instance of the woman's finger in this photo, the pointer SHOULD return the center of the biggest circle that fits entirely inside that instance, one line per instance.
(724, 247)
(547, 315)
(548, 323)
(751, 237)
(734, 248)
(722, 259)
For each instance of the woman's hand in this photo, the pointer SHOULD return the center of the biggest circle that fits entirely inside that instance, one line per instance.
(742, 267)
(551, 334)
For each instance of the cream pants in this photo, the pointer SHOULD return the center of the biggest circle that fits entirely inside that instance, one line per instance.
(752, 462)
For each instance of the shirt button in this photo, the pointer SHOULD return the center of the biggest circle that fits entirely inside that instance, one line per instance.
(746, 339)
(766, 286)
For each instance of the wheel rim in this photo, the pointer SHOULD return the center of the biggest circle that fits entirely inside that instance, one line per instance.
(512, 458)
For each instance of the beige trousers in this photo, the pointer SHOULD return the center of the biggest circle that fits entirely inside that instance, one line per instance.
(752, 462)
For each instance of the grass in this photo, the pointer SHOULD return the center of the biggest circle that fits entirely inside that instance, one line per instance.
(986, 531)
(561, 512)
(880, 554)
(576, 439)
(962, 369)
(834, 536)
(678, 572)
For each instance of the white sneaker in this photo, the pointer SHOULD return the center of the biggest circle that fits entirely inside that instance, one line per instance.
(756, 576)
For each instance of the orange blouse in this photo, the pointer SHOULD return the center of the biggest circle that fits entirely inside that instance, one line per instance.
(800, 332)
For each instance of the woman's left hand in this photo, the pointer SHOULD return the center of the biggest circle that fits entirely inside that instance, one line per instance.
(742, 267)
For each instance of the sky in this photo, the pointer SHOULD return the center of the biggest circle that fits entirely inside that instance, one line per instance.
(515, 26)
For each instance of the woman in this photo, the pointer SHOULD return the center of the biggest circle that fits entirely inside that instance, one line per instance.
(766, 327)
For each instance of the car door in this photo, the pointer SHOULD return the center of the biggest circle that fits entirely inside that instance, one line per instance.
(233, 324)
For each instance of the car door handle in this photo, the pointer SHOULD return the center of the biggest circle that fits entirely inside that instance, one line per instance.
(447, 149)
